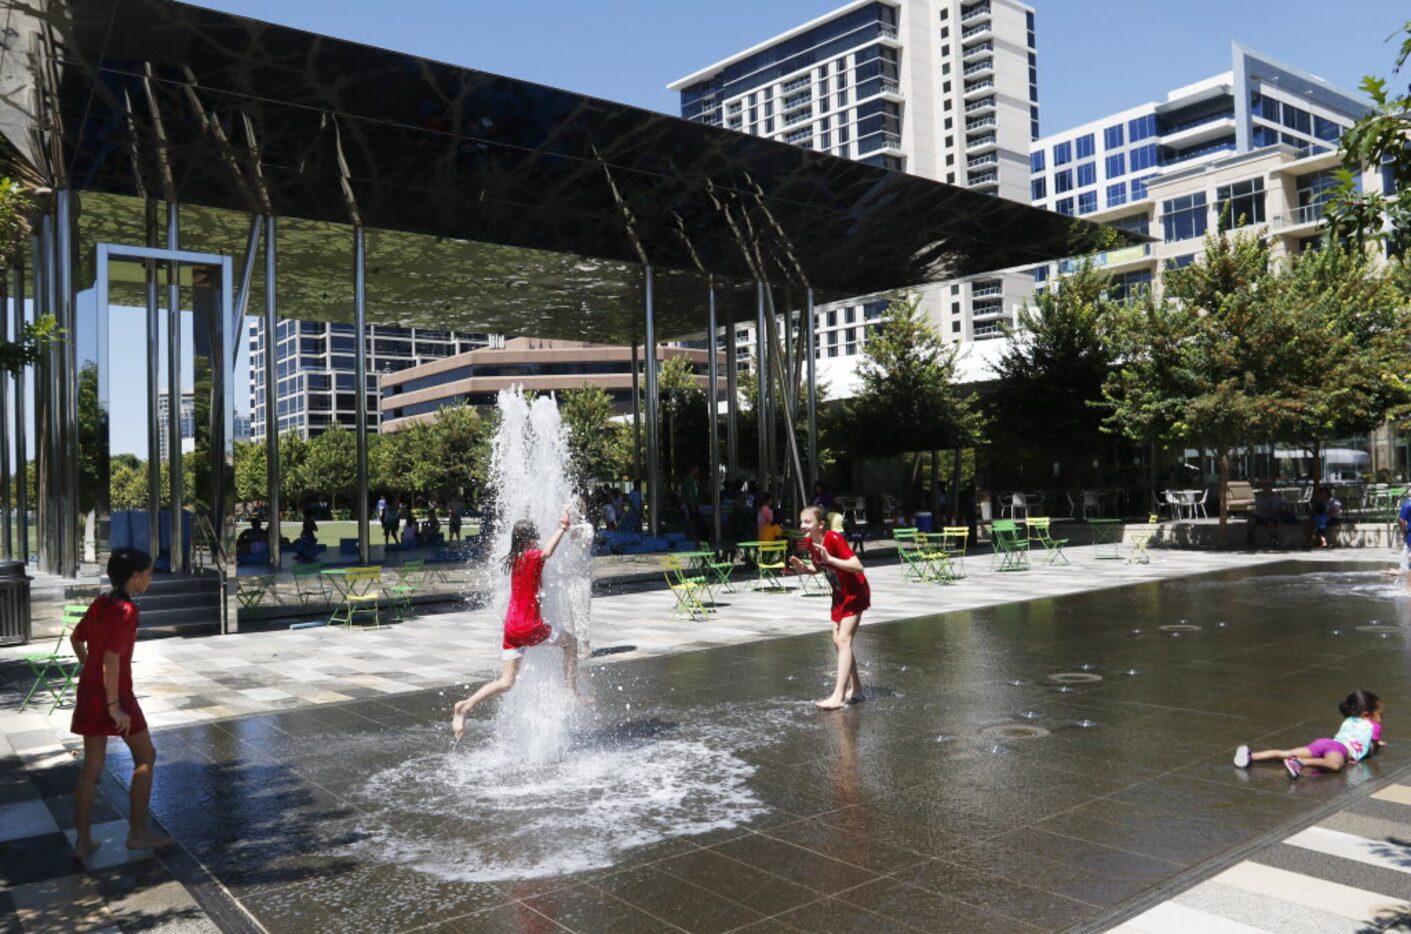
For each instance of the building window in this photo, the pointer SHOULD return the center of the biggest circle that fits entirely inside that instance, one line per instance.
(1116, 194)
(1087, 174)
(1180, 262)
(1112, 137)
(1184, 217)
(1085, 146)
(1040, 273)
(1036, 161)
(1064, 206)
(1141, 128)
(1087, 202)
(1326, 130)
(1296, 118)
(1144, 157)
(955, 327)
(1240, 204)
(1116, 165)
(1038, 189)
(1139, 187)
(1063, 181)
(1062, 153)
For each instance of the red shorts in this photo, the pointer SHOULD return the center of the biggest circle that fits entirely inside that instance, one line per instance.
(851, 604)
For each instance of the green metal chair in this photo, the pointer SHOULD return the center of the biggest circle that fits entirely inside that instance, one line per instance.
(1011, 546)
(909, 551)
(56, 671)
(685, 587)
(1039, 532)
(251, 589)
(360, 594)
(717, 570)
(310, 587)
(411, 575)
(931, 550)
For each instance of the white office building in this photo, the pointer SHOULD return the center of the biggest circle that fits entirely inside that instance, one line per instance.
(938, 88)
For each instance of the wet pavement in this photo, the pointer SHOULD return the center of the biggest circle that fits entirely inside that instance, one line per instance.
(1024, 767)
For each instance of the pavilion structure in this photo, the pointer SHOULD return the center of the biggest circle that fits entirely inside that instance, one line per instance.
(193, 168)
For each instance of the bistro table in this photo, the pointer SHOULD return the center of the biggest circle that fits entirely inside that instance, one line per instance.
(1106, 532)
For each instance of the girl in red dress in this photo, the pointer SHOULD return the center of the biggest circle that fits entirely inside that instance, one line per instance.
(106, 705)
(524, 623)
(851, 595)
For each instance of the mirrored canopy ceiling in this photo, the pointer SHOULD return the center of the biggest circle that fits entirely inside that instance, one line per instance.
(491, 204)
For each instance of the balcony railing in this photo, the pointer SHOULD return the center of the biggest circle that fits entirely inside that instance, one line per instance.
(981, 104)
(975, 142)
(888, 31)
(988, 159)
(1197, 153)
(1198, 121)
(977, 48)
(991, 288)
(979, 122)
(798, 100)
(987, 308)
(798, 116)
(1309, 213)
(971, 12)
(975, 31)
(987, 65)
(972, 86)
(795, 83)
(984, 178)
(890, 87)
(891, 140)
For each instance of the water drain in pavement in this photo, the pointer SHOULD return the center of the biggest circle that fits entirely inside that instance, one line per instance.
(1013, 731)
(1074, 677)
(1180, 627)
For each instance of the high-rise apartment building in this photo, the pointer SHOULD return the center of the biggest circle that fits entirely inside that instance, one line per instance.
(188, 422)
(939, 88)
(316, 369)
(1253, 146)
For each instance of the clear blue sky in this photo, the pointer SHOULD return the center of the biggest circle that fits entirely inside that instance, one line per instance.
(1095, 56)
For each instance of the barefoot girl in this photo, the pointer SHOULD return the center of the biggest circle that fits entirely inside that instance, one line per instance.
(524, 622)
(106, 705)
(851, 595)
(1360, 733)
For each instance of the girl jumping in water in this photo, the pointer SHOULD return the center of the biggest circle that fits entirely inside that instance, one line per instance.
(524, 622)
(851, 595)
(1360, 733)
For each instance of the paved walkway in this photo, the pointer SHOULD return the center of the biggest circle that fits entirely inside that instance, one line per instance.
(188, 681)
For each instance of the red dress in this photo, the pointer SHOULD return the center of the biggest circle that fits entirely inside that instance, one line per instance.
(110, 625)
(524, 624)
(851, 594)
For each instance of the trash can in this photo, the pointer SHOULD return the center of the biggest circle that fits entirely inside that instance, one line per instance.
(923, 522)
(14, 603)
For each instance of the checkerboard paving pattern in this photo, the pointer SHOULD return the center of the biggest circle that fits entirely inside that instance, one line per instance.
(184, 681)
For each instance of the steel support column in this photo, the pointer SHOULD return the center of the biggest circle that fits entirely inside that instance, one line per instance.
(763, 418)
(810, 326)
(732, 404)
(154, 389)
(7, 502)
(176, 537)
(636, 418)
(271, 379)
(21, 421)
(713, 400)
(66, 306)
(360, 367)
(653, 423)
(44, 417)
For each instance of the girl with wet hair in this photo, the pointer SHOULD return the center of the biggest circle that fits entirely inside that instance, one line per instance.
(524, 621)
(851, 596)
(1359, 735)
(106, 704)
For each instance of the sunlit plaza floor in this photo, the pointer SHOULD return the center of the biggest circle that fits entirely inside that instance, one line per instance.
(1040, 755)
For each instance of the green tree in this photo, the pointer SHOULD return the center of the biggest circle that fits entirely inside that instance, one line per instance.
(250, 472)
(907, 400)
(1207, 364)
(601, 448)
(330, 466)
(34, 339)
(1353, 325)
(684, 409)
(1378, 139)
(1053, 370)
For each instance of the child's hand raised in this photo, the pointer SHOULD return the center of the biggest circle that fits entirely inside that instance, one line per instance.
(797, 564)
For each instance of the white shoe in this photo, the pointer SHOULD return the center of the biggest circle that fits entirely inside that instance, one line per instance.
(1242, 757)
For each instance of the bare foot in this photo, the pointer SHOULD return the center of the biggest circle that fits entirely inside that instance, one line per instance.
(148, 842)
(458, 720)
(84, 848)
(830, 704)
(854, 697)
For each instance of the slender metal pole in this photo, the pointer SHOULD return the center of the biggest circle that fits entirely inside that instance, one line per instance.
(7, 503)
(154, 391)
(360, 367)
(176, 537)
(653, 424)
(21, 421)
(732, 403)
(67, 305)
(636, 417)
(273, 478)
(713, 400)
(811, 369)
(762, 415)
(43, 406)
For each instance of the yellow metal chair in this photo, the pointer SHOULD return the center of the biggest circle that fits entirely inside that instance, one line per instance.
(1039, 533)
(685, 587)
(770, 564)
(954, 539)
(1140, 538)
(361, 593)
(931, 551)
